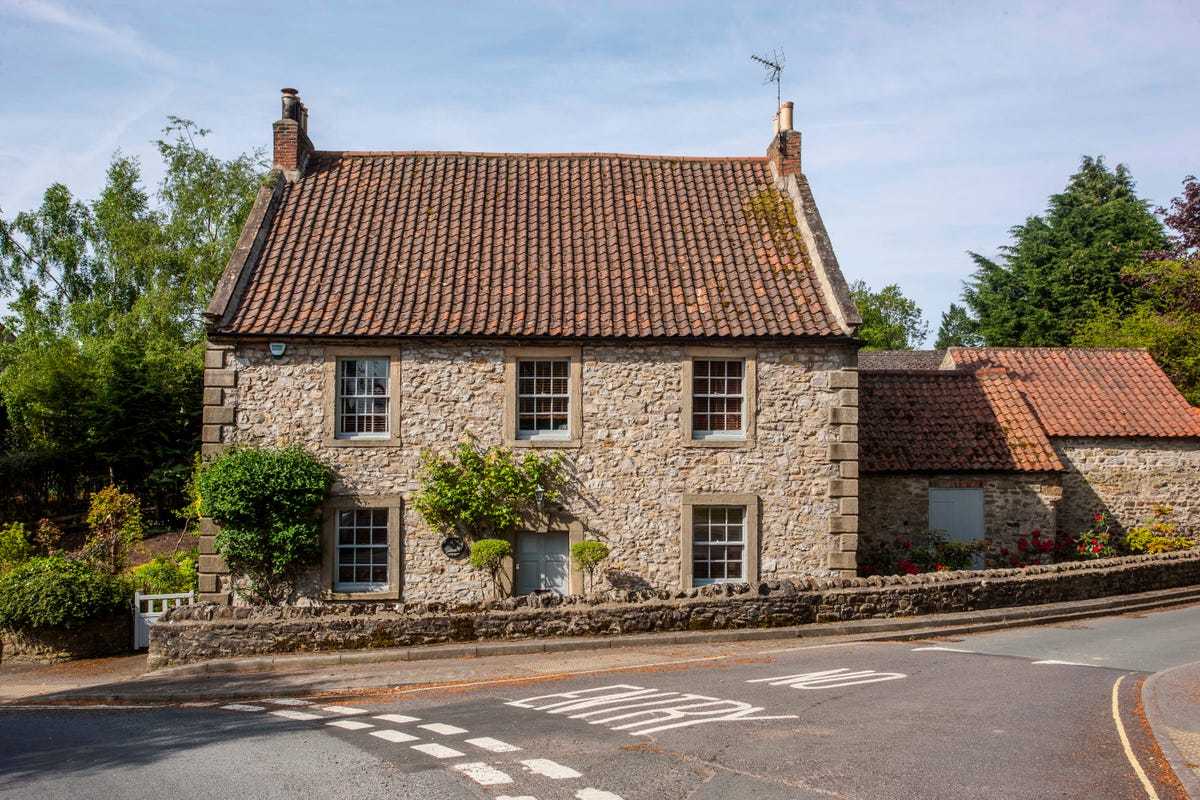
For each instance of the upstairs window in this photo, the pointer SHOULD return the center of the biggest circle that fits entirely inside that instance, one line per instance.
(544, 398)
(364, 398)
(718, 398)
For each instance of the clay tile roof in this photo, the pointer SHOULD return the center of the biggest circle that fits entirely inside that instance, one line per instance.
(900, 359)
(927, 421)
(572, 245)
(1090, 392)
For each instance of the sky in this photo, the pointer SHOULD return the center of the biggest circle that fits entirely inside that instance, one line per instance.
(930, 129)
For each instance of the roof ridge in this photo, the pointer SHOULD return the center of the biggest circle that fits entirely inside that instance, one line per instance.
(482, 154)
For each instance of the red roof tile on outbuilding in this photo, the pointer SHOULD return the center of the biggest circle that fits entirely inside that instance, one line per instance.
(916, 421)
(1090, 392)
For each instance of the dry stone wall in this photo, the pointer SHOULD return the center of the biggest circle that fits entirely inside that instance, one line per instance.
(93, 639)
(631, 469)
(1127, 478)
(195, 633)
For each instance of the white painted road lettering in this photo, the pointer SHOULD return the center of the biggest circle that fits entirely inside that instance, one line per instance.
(642, 711)
(830, 679)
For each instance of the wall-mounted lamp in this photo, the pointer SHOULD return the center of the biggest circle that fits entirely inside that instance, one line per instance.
(277, 348)
(539, 496)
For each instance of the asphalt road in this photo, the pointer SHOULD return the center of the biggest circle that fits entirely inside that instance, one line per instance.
(975, 717)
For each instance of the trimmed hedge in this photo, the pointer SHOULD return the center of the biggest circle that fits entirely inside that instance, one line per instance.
(56, 592)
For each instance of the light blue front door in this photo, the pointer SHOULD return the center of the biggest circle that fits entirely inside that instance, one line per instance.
(541, 563)
(958, 513)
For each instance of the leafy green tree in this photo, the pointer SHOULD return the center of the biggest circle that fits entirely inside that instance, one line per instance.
(488, 555)
(957, 329)
(1062, 266)
(1164, 313)
(890, 321)
(105, 361)
(586, 556)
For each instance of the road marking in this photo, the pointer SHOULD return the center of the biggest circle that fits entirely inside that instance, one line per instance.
(493, 745)
(594, 794)
(550, 769)
(522, 797)
(287, 701)
(394, 736)
(242, 707)
(1116, 712)
(483, 774)
(200, 704)
(437, 750)
(1067, 663)
(830, 679)
(399, 719)
(659, 711)
(443, 730)
(302, 716)
(941, 649)
(350, 724)
(345, 710)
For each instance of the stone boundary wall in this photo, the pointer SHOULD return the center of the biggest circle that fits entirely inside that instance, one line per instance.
(200, 632)
(94, 639)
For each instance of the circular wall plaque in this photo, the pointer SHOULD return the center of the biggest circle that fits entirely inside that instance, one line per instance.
(454, 547)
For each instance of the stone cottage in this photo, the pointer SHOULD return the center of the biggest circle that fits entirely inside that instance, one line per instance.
(999, 442)
(678, 328)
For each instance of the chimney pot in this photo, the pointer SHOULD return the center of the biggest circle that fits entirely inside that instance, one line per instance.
(292, 145)
(785, 116)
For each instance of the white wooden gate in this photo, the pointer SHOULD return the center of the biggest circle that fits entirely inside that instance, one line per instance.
(147, 608)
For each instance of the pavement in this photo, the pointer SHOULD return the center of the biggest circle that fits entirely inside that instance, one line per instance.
(1171, 698)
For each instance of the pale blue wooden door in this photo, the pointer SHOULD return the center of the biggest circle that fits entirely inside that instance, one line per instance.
(541, 563)
(958, 513)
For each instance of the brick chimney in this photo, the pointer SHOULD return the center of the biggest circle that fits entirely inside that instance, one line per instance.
(292, 145)
(784, 151)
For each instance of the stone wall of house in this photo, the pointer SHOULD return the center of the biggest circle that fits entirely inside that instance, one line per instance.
(195, 633)
(1127, 478)
(1014, 504)
(631, 469)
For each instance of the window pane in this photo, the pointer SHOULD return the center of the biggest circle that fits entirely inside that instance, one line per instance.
(543, 396)
(718, 543)
(363, 392)
(362, 550)
(717, 399)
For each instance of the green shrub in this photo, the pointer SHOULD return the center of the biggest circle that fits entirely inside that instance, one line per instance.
(489, 555)
(928, 552)
(265, 502)
(166, 574)
(15, 547)
(55, 592)
(482, 493)
(115, 520)
(1156, 535)
(587, 556)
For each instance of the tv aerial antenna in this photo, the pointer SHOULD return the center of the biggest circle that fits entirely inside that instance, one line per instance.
(773, 63)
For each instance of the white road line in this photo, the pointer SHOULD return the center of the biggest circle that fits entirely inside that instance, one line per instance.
(350, 724)
(1067, 663)
(483, 774)
(399, 719)
(1141, 773)
(302, 716)
(493, 745)
(394, 736)
(941, 650)
(520, 797)
(550, 769)
(287, 701)
(242, 707)
(199, 704)
(595, 794)
(437, 750)
(345, 710)
(443, 730)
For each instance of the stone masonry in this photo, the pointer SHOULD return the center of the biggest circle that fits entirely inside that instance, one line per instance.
(631, 468)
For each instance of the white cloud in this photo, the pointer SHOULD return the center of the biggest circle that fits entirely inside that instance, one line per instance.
(121, 40)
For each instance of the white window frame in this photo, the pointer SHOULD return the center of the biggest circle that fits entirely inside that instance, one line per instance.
(740, 397)
(370, 379)
(333, 397)
(335, 589)
(554, 365)
(701, 438)
(375, 524)
(514, 436)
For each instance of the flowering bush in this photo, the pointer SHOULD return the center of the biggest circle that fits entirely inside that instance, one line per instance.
(930, 552)
(1095, 542)
(1032, 550)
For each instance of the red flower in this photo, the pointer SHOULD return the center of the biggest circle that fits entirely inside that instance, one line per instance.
(1099, 518)
(1022, 545)
(1096, 547)
(1036, 534)
(1003, 551)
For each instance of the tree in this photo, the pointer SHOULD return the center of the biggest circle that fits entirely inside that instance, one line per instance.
(105, 362)
(890, 321)
(1164, 313)
(957, 329)
(1063, 266)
